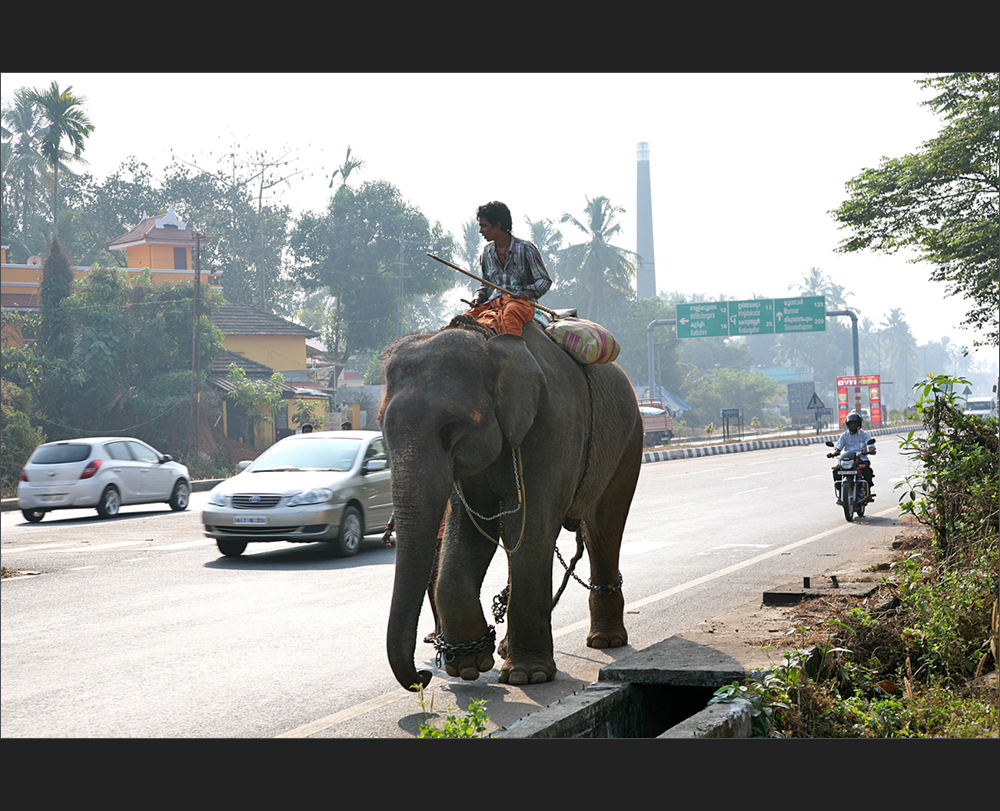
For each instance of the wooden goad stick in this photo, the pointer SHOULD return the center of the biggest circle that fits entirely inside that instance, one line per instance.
(537, 306)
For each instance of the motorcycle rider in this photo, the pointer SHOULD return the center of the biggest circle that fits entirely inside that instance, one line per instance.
(854, 439)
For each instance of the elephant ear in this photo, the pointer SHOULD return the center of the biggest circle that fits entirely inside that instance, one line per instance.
(519, 388)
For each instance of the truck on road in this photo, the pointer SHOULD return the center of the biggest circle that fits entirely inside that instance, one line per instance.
(657, 422)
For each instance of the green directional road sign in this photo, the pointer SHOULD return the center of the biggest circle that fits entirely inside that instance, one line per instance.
(803, 314)
(723, 319)
(707, 319)
(751, 317)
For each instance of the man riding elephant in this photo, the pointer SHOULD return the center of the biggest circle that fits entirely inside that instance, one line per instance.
(511, 263)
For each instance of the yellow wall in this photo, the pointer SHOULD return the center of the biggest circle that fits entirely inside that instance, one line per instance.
(280, 352)
(155, 256)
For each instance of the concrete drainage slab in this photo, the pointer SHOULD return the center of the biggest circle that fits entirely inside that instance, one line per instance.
(659, 692)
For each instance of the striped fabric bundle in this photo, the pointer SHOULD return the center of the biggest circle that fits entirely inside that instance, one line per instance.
(586, 341)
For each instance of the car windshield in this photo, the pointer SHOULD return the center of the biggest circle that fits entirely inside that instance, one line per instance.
(60, 454)
(317, 454)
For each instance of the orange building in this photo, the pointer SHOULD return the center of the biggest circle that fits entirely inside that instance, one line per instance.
(163, 244)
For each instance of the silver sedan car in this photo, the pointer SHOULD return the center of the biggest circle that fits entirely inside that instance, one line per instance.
(328, 486)
(100, 472)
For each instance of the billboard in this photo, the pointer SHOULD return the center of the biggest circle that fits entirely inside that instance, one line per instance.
(858, 392)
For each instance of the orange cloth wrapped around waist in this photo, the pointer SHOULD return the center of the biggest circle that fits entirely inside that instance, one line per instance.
(504, 314)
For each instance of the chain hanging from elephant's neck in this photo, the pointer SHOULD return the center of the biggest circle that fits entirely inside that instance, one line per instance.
(515, 454)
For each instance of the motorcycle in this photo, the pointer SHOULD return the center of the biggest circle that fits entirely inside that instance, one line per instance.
(854, 492)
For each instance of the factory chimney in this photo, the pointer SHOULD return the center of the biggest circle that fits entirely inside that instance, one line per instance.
(646, 286)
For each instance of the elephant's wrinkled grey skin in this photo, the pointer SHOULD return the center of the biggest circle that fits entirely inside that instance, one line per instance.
(456, 404)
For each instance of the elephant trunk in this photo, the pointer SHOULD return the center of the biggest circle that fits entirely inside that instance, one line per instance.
(418, 512)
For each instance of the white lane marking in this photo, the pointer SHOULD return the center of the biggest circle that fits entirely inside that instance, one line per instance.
(641, 547)
(748, 476)
(715, 549)
(346, 715)
(807, 478)
(720, 573)
(744, 492)
(671, 507)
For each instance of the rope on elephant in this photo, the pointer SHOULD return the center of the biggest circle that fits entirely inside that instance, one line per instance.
(519, 486)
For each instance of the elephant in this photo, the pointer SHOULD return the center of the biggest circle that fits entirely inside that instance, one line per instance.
(520, 440)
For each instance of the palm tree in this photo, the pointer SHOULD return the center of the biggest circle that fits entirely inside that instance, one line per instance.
(468, 249)
(869, 346)
(23, 164)
(345, 169)
(62, 118)
(899, 353)
(815, 283)
(600, 265)
(547, 238)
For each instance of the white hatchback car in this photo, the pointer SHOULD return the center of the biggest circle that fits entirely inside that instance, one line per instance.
(100, 472)
(324, 486)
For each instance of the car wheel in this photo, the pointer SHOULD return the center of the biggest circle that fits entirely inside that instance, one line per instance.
(352, 530)
(231, 549)
(109, 504)
(34, 516)
(181, 495)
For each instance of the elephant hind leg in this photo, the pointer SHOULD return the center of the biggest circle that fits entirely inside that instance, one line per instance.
(607, 603)
(602, 535)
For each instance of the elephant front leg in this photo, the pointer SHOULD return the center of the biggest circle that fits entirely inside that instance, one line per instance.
(527, 649)
(464, 642)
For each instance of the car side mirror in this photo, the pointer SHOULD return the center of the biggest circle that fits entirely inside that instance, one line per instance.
(243, 464)
(166, 457)
(374, 464)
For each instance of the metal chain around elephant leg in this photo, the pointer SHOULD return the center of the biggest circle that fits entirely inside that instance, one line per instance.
(446, 651)
(595, 587)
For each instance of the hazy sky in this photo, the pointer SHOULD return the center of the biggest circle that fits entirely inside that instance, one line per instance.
(744, 167)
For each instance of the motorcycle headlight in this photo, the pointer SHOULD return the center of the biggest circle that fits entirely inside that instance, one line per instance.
(217, 499)
(315, 496)
(846, 464)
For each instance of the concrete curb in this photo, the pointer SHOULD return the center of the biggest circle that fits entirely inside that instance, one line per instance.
(758, 444)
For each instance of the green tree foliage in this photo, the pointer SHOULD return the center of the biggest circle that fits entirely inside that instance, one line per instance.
(942, 199)
(354, 250)
(129, 364)
(899, 356)
(259, 399)
(596, 272)
(630, 326)
(24, 172)
(713, 390)
(56, 334)
(110, 208)
(956, 490)
(233, 204)
(63, 119)
(18, 437)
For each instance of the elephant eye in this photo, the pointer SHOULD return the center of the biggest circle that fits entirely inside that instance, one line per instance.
(451, 432)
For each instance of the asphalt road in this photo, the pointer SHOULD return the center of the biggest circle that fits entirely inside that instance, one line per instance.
(138, 627)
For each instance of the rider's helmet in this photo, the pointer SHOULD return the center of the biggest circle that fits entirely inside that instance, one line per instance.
(853, 422)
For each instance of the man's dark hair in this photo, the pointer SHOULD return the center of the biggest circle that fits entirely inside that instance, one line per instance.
(496, 212)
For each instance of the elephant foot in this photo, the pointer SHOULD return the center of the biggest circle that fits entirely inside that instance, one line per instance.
(607, 625)
(525, 673)
(469, 667)
(502, 648)
(607, 638)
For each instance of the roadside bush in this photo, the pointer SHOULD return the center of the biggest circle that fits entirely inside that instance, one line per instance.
(18, 437)
(924, 662)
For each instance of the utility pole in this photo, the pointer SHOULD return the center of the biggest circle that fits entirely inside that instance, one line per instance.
(196, 343)
(402, 281)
